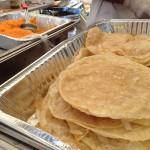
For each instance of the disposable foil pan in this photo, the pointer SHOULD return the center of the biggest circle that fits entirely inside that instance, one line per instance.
(44, 22)
(17, 95)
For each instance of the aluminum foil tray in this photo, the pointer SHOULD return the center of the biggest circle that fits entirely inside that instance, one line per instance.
(44, 22)
(18, 94)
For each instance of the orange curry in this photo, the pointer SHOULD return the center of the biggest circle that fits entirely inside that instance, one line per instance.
(12, 28)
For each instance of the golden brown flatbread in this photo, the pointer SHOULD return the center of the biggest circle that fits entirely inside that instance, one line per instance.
(99, 42)
(107, 86)
(56, 127)
(103, 126)
(62, 110)
(136, 48)
(101, 102)
(84, 52)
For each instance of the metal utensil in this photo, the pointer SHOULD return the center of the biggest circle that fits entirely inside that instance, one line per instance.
(27, 25)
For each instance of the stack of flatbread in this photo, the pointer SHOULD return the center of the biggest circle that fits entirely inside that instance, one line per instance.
(135, 47)
(102, 100)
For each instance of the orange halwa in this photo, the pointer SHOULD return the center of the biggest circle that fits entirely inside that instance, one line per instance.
(12, 28)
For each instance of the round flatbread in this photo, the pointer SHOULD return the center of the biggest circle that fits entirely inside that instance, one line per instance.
(103, 126)
(107, 86)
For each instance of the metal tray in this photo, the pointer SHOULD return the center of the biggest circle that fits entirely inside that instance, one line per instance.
(7, 42)
(17, 95)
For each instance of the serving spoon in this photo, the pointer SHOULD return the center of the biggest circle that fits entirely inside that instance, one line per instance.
(27, 25)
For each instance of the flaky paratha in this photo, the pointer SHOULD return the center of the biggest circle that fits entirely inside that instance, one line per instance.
(94, 39)
(50, 124)
(136, 48)
(107, 86)
(145, 122)
(99, 42)
(59, 107)
(98, 142)
(62, 110)
(77, 131)
(56, 127)
(84, 52)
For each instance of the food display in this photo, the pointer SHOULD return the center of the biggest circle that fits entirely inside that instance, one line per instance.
(12, 28)
(12, 36)
(135, 47)
(101, 101)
